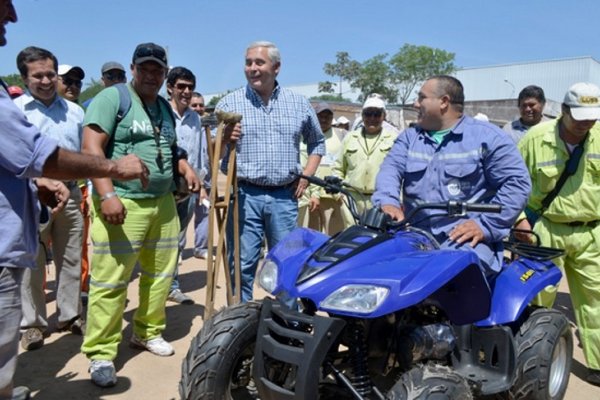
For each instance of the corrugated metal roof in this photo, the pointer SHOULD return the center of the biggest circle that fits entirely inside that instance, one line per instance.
(506, 81)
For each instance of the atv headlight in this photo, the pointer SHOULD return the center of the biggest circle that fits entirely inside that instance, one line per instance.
(267, 275)
(361, 299)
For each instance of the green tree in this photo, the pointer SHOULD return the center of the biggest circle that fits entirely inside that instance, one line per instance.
(345, 68)
(326, 87)
(331, 97)
(215, 99)
(374, 76)
(412, 65)
(92, 90)
(13, 80)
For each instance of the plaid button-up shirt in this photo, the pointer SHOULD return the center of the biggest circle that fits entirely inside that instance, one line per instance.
(269, 148)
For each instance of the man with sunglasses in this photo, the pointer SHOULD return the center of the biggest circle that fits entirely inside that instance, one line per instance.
(62, 120)
(70, 80)
(571, 220)
(447, 156)
(362, 153)
(181, 83)
(133, 225)
(111, 73)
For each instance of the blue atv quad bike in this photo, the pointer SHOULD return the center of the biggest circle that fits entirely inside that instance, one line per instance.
(381, 312)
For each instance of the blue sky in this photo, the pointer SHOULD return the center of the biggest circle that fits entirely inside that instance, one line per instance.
(210, 37)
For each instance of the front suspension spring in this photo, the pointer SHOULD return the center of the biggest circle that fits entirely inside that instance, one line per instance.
(358, 358)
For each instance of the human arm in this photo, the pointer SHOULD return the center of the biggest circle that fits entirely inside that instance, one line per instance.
(67, 165)
(507, 177)
(33, 154)
(315, 147)
(186, 170)
(310, 168)
(389, 179)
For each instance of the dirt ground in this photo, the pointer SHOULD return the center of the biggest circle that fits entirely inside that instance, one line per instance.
(58, 371)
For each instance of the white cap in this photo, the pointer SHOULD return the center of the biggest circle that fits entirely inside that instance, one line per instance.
(374, 102)
(481, 117)
(64, 69)
(583, 99)
(343, 120)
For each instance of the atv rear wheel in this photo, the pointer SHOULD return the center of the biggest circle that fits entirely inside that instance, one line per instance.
(545, 353)
(431, 382)
(218, 364)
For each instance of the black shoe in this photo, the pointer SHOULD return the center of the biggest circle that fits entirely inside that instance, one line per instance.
(76, 326)
(593, 376)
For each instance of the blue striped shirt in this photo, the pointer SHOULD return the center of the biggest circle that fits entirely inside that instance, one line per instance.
(269, 148)
(62, 120)
(24, 153)
(190, 137)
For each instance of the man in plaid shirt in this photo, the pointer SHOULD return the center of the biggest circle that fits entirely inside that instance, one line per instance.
(267, 142)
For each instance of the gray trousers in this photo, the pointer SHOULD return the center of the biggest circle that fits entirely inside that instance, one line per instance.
(185, 211)
(10, 304)
(201, 226)
(65, 231)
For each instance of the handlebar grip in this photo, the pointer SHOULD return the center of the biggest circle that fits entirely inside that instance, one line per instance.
(315, 180)
(485, 208)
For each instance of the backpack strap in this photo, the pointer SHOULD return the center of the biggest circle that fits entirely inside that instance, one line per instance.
(124, 102)
(167, 106)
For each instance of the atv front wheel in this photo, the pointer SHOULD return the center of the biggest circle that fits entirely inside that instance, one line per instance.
(218, 364)
(545, 353)
(431, 382)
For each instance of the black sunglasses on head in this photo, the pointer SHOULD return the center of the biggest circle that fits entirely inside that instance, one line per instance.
(155, 52)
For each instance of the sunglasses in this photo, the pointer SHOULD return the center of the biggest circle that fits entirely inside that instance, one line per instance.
(154, 52)
(372, 114)
(115, 76)
(71, 82)
(183, 86)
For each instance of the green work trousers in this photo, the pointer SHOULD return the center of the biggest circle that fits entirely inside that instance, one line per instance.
(581, 266)
(148, 236)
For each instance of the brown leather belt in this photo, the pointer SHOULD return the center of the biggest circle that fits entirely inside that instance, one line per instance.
(242, 182)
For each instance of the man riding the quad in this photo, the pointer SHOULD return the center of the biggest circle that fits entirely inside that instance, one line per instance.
(451, 156)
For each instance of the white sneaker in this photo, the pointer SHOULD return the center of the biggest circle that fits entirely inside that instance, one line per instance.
(103, 373)
(157, 346)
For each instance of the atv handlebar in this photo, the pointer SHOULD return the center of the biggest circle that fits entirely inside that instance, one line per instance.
(459, 208)
(333, 185)
(453, 208)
